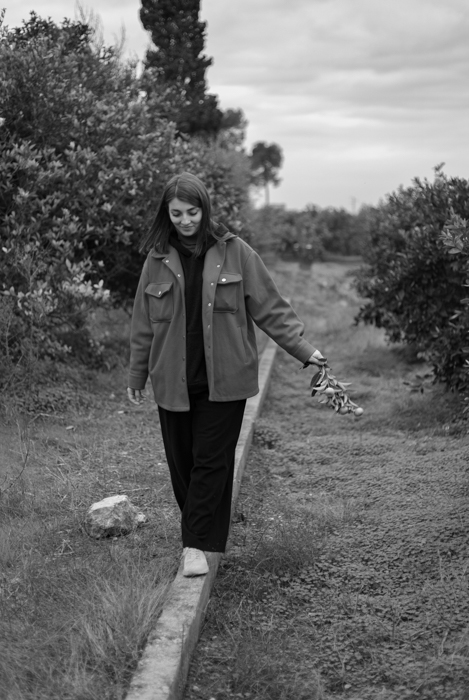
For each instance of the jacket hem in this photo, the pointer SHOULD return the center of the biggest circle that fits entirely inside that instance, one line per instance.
(180, 409)
(238, 397)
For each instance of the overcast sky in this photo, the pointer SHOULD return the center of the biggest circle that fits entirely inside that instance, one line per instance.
(361, 95)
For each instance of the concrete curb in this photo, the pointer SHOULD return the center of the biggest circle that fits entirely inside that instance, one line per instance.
(162, 671)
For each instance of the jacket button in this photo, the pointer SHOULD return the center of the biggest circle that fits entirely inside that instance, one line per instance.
(223, 279)
(211, 284)
(210, 304)
(218, 265)
(183, 379)
(208, 326)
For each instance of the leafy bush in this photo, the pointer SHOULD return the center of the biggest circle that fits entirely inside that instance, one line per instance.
(45, 287)
(415, 286)
(455, 238)
(307, 235)
(68, 164)
(84, 154)
(292, 234)
(343, 233)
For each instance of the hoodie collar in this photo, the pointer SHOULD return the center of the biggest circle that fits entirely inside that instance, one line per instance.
(223, 235)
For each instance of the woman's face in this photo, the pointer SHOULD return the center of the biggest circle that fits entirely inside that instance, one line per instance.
(185, 217)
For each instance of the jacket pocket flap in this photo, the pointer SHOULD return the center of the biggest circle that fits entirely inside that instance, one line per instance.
(158, 290)
(229, 278)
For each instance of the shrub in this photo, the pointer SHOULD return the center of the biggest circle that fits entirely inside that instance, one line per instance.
(82, 109)
(343, 233)
(83, 157)
(292, 234)
(66, 205)
(414, 285)
(307, 235)
(455, 238)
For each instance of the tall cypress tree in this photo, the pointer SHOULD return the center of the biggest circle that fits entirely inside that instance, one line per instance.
(178, 62)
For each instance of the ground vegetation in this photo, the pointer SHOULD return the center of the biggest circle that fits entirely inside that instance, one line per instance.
(346, 574)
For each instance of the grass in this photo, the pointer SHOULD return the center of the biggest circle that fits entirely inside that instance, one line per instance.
(75, 612)
(78, 646)
(347, 573)
(347, 570)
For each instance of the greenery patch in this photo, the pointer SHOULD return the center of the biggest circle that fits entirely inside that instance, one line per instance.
(347, 572)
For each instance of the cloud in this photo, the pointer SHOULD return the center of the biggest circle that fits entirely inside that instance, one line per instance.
(360, 94)
(335, 43)
(378, 88)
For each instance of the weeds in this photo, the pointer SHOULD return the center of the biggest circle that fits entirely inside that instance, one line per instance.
(79, 646)
(75, 613)
(347, 576)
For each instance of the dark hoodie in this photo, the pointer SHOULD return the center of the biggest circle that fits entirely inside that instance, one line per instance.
(196, 371)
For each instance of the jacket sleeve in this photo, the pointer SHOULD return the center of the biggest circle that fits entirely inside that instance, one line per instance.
(271, 312)
(141, 335)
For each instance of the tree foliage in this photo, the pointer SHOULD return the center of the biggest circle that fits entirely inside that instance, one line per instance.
(75, 37)
(177, 64)
(266, 161)
(310, 234)
(343, 233)
(83, 158)
(232, 130)
(413, 279)
(275, 230)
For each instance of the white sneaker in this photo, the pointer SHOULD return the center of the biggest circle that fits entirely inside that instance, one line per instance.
(195, 563)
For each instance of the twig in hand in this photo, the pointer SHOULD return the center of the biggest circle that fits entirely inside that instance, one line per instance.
(333, 393)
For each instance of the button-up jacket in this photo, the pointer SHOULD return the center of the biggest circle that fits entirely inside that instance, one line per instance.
(237, 290)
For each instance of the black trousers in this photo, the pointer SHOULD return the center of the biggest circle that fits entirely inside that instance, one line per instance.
(200, 448)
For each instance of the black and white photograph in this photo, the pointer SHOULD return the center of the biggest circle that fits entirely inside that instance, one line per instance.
(234, 350)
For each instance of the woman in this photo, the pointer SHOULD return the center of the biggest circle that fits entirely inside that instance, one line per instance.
(200, 291)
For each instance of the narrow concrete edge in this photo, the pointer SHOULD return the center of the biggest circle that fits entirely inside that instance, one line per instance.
(162, 671)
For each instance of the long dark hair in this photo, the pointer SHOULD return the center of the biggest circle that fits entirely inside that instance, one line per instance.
(188, 188)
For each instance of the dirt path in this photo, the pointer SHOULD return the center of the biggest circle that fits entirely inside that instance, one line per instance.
(347, 571)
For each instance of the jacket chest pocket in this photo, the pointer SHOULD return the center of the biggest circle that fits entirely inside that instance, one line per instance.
(160, 302)
(228, 293)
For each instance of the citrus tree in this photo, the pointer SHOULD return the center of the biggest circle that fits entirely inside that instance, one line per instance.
(413, 283)
(84, 154)
(77, 165)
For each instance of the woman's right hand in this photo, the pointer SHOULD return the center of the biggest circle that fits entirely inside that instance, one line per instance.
(135, 396)
(317, 359)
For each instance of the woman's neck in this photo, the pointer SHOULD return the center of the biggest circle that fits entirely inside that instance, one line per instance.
(188, 241)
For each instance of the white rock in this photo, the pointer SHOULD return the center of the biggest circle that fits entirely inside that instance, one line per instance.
(113, 516)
